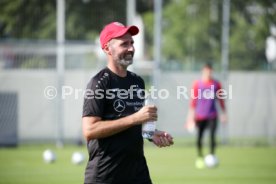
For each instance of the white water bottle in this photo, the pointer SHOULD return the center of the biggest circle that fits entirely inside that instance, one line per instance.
(148, 128)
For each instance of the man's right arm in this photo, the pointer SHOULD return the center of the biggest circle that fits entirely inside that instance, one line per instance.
(190, 119)
(95, 128)
(193, 102)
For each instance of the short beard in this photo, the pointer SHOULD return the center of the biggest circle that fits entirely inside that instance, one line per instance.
(124, 63)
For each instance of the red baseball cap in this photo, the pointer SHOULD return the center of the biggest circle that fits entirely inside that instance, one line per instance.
(115, 30)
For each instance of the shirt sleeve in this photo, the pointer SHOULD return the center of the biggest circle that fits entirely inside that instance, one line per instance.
(94, 99)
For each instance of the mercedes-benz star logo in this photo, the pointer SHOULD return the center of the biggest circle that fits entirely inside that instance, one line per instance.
(119, 105)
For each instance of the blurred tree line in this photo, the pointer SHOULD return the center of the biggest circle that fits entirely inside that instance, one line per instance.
(191, 28)
(36, 19)
(192, 32)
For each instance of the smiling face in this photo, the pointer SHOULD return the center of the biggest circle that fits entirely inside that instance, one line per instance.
(122, 50)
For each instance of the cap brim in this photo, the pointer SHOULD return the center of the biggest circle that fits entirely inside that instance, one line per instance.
(133, 30)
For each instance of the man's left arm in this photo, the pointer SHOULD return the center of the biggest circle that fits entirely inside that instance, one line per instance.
(223, 116)
(162, 139)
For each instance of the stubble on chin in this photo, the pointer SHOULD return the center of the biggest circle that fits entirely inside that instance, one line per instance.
(125, 63)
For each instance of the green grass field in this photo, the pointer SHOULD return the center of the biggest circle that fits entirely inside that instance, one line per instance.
(174, 165)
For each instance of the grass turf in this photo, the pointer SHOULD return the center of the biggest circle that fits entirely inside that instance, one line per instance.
(174, 165)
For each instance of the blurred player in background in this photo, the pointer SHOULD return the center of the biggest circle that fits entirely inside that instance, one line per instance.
(203, 112)
(112, 120)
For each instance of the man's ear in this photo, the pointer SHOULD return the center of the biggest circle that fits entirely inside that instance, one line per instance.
(106, 49)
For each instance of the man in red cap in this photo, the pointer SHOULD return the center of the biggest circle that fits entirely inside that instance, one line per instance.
(113, 114)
